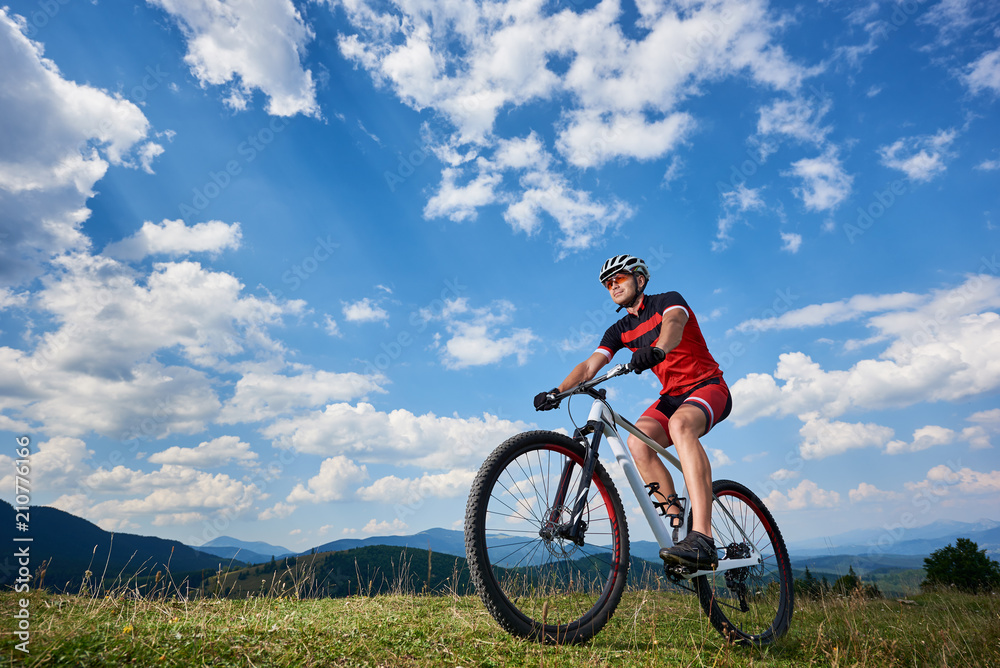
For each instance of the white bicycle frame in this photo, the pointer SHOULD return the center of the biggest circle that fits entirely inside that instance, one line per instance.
(601, 412)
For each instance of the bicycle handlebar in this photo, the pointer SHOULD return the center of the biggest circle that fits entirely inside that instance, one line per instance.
(615, 371)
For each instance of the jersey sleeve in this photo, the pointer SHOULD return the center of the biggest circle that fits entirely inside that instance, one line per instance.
(673, 300)
(611, 343)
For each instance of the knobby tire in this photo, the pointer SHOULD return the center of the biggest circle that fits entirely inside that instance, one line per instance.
(535, 585)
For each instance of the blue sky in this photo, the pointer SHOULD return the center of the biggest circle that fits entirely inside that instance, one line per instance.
(289, 271)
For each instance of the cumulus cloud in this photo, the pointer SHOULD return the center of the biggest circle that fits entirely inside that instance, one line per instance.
(942, 346)
(399, 436)
(797, 118)
(249, 45)
(99, 370)
(944, 480)
(364, 310)
(173, 494)
(984, 73)
(803, 496)
(263, 395)
(208, 454)
(392, 489)
(622, 97)
(791, 242)
(922, 157)
(396, 527)
(337, 478)
(866, 492)
(825, 183)
(477, 337)
(174, 238)
(923, 438)
(60, 138)
(822, 438)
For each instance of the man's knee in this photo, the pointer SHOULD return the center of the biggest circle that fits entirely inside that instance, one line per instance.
(640, 451)
(690, 424)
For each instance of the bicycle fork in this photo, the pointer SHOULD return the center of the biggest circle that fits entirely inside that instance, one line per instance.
(575, 529)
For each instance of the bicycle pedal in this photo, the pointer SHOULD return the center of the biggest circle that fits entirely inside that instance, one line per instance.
(677, 570)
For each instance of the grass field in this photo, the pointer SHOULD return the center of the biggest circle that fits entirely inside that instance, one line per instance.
(649, 629)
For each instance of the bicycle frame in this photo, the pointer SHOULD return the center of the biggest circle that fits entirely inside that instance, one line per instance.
(604, 421)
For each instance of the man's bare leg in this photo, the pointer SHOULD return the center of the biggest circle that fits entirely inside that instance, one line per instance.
(650, 466)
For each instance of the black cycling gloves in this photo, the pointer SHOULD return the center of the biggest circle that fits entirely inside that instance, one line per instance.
(544, 401)
(647, 358)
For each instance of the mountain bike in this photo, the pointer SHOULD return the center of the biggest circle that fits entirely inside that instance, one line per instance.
(547, 539)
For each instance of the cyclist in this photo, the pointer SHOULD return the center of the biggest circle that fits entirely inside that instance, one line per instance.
(663, 334)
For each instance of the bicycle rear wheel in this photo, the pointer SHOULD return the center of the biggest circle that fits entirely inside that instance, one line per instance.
(534, 583)
(747, 605)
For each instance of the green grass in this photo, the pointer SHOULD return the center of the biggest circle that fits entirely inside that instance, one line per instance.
(649, 629)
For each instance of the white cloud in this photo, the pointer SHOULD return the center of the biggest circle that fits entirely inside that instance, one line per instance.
(395, 528)
(262, 395)
(250, 45)
(543, 191)
(99, 369)
(56, 463)
(174, 237)
(336, 479)
(984, 73)
(943, 480)
(278, 511)
(831, 313)
(735, 202)
(822, 438)
(866, 493)
(481, 339)
(944, 346)
(208, 454)
(719, 457)
(989, 165)
(398, 437)
(806, 494)
(461, 202)
(391, 489)
(792, 242)
(621, 97)
(169, 495)
(364, 310)
(797, 118)
(923, 438)
(784, 474)
(60, 139)
(331, 327)
(921, 157)
(825, 184)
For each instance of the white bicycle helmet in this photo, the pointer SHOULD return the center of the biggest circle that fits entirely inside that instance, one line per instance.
(620, 263)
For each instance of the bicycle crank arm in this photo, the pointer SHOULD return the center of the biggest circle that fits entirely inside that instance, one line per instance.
(724, 565)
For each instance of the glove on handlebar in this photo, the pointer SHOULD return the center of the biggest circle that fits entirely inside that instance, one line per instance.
(545, 401)
(647, 358)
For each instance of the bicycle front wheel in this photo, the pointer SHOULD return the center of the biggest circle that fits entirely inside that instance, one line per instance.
(535, 583)
(749, 605)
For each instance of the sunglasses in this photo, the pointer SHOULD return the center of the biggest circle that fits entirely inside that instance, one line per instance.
(617, 279)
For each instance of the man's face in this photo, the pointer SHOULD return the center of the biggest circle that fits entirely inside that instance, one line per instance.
(622, 287)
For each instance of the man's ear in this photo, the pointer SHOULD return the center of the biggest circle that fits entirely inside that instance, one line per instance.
(640, 277)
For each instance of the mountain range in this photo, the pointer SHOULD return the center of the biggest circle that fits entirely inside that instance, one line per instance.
(69, 546)
(62, 548)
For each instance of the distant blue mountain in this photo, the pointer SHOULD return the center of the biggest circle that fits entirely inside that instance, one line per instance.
(442, 541)
(891, 539)
(254, 552)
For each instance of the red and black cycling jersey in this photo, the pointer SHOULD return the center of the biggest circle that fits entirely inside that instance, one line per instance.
(684, 367)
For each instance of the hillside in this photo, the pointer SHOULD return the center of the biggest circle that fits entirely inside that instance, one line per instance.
(371, 570)
(69, 546)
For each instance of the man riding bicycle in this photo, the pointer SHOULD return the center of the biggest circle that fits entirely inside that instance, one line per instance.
(663, 334)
